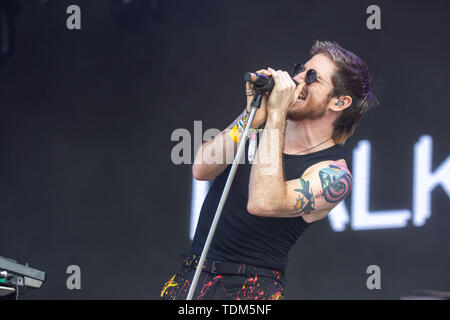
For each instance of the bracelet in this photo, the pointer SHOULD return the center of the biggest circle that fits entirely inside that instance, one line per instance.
(242, 123)
(249, 92)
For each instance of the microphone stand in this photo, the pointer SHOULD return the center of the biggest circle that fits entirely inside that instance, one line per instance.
(256, 103)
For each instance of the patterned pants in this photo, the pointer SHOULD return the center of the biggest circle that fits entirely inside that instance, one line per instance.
(225, 281)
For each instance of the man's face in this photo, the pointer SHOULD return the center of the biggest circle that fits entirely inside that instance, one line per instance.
(315, 102)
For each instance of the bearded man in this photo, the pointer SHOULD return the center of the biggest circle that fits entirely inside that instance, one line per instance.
(305, 122)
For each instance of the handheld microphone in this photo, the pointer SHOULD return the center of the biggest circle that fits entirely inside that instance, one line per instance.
(260, 81)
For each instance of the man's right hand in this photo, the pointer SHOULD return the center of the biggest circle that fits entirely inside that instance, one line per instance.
(261, 114)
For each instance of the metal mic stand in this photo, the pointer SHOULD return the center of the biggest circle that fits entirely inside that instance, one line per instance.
(256, 103)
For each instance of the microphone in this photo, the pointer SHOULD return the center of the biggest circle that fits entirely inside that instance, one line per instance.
(261, 82)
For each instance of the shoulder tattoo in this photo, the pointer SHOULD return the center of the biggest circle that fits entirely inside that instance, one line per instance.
(336, 183)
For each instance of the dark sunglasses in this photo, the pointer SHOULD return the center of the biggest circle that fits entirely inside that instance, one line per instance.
(310, 76)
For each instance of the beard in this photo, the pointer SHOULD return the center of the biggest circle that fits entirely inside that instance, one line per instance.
(307, 109)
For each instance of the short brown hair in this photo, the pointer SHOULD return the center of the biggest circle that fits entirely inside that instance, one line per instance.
(350, 79)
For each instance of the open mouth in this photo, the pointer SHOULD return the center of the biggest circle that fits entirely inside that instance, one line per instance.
(303, 95)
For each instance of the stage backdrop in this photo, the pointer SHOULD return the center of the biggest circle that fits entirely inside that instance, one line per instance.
(87, 116)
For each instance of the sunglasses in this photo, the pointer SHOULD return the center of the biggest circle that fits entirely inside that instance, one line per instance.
(310, 76)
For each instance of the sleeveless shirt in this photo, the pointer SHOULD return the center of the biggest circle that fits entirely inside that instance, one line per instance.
(241, 237)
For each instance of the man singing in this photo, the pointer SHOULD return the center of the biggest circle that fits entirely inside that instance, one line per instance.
(295, 174)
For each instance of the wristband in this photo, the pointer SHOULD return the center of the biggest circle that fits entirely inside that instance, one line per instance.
(242, 123)
(235, 134)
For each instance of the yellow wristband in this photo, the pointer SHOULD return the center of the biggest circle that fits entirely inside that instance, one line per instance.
(234, 134)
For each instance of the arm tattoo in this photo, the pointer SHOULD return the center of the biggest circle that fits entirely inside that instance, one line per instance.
(336, 183)
(305, 200)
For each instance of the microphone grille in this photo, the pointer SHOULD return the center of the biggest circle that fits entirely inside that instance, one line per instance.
(250, 77)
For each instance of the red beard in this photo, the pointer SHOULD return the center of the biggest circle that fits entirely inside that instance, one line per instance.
(307, 109)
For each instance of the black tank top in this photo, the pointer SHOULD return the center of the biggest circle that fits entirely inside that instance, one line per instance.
(245, 238)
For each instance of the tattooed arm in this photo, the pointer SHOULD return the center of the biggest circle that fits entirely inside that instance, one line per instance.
(321, 187)
(314, 194)
(319, 190)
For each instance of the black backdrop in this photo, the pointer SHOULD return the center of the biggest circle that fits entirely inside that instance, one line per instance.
(86, 176)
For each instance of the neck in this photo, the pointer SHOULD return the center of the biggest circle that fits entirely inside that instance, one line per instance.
(305, 134)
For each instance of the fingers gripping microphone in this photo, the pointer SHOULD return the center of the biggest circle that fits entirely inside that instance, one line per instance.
(260, 81)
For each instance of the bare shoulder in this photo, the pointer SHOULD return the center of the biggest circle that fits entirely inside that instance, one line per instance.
(336, 165)
(341, 163)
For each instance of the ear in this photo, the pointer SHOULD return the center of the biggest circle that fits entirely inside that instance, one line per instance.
(340, 103)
